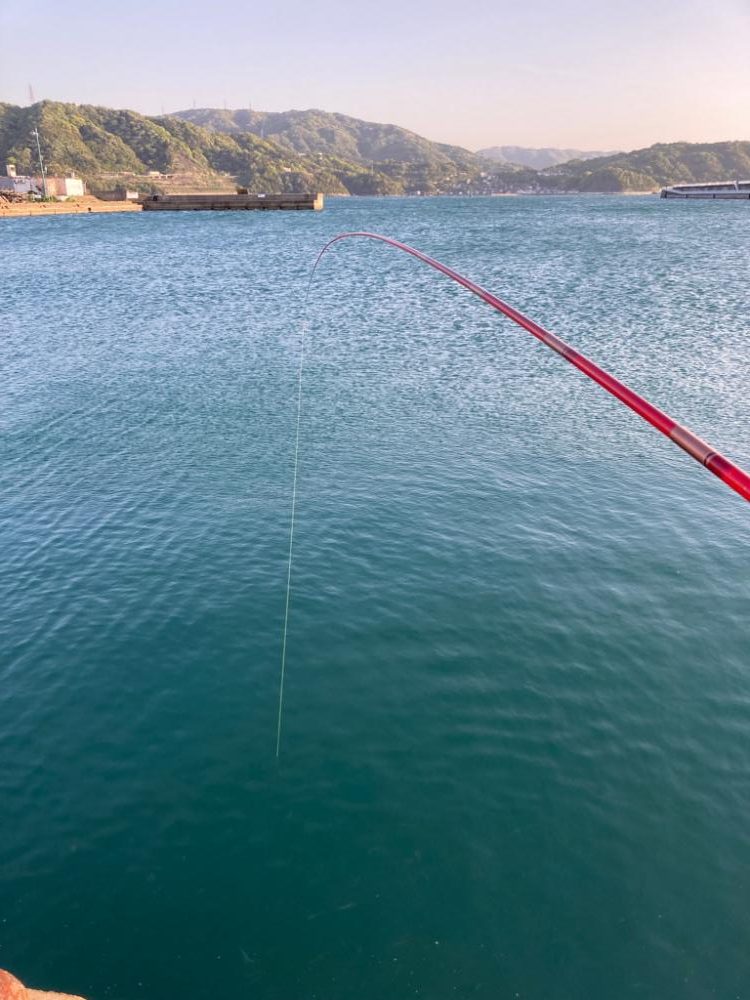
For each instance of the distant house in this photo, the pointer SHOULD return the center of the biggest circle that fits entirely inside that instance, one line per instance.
(57, 187)
(65, 187)
(18, 185)
(120, 194)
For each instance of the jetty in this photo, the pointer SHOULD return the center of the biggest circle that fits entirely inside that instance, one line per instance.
(14, 208)
(224, 202)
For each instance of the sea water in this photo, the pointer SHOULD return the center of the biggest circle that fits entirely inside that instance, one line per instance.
(515, 758)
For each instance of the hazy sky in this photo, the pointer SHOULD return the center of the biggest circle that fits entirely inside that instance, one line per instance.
(593, 75)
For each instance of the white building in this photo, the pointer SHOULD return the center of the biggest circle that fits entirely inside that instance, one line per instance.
(65, 187)
(57, 187)
(17, 185)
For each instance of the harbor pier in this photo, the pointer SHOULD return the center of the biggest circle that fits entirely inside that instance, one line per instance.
(223, 202)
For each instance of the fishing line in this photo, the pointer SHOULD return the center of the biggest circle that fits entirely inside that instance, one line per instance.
(730, 473)
(292, 518)
(291, 535)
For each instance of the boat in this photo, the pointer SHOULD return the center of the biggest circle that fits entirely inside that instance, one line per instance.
(718, 190)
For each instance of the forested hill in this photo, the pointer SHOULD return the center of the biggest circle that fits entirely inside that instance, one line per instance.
(364, 142)
(106, 145)
(315, 131)
(314, 150)
(657, 166)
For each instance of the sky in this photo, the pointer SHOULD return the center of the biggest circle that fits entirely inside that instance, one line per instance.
(571, 73)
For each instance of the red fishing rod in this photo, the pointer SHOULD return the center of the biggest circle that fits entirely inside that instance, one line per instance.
(729, 473)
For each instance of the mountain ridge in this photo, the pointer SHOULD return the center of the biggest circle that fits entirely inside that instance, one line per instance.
(277, 152)
(315, 131)
(539, 157)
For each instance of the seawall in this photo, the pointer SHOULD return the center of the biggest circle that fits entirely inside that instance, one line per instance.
(74, 206)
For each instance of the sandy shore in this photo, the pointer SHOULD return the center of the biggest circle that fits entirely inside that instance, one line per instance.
(74, 206)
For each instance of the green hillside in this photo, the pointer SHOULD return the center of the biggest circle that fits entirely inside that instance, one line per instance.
(368, 142)
(313, 150)
(99, 143)
(106, 146)
(315, 131)
(655, 166)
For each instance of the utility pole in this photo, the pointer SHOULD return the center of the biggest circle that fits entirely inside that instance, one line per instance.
(35, 133)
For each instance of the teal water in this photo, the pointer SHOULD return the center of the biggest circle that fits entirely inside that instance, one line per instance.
(515, 757)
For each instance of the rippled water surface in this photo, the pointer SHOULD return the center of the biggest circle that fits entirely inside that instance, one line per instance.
(516, 754)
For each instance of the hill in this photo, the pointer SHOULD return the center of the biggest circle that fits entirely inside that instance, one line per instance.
(107, 146)
(314, 131)
(313, 150)
(548, 156)
(513, 167)
(655, 167)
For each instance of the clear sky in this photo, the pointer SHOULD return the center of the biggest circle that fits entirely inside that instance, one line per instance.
(576, 73)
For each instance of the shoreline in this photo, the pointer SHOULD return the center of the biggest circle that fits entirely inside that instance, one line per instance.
(88, 204)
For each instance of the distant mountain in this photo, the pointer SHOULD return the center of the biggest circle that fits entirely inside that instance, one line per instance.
(107, 147)
(537, 158)
(314, 131)
(314, 150)
(104, 145)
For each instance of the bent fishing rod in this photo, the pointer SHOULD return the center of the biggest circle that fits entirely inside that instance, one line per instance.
(735, 477)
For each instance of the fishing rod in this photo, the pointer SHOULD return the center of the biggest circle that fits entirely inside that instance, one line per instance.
(734, 477)
(708, 456)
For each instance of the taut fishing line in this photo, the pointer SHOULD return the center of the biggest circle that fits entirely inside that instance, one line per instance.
(734, 477)
(300, 371)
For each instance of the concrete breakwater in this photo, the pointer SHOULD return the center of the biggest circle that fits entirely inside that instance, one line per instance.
(74, 206)
(223, 202)
(218, 201)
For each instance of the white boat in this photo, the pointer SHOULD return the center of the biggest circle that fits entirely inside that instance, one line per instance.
(724, 190)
